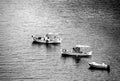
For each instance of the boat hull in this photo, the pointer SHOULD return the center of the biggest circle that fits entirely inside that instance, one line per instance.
(69, 53)
(99, 66)
(46, 41)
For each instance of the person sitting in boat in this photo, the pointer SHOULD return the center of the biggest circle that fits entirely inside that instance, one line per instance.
(77, 50)
(47, 37)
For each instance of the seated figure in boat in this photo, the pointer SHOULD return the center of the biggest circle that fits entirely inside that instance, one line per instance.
(77, 50)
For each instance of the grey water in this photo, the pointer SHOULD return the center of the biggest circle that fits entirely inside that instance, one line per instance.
(86, 22)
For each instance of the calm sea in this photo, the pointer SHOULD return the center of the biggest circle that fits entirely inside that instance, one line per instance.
(85, 22)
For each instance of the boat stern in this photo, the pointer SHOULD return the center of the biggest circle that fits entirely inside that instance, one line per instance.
(90, 53)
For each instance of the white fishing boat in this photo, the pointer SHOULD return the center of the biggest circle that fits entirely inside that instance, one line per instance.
(99, 66)
(76, 52)
(70, 53)
(48, 38)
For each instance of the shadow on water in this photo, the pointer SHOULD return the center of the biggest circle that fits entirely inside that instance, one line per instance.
(77, 59)
(47, 46)
(98, 69)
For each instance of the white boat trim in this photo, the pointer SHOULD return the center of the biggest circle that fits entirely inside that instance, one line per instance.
(82, 46)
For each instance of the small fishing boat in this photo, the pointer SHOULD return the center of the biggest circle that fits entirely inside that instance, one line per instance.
(99, 66)
(47, 39)
(76, 52)
(70, 53)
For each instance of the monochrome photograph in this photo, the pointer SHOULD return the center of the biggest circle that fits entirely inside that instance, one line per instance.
(59, 40)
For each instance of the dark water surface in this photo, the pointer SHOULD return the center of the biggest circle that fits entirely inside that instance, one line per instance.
(88, 22)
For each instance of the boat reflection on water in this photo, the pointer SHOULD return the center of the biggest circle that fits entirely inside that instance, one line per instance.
(98, 69)
(75, 58)
(47, 46)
